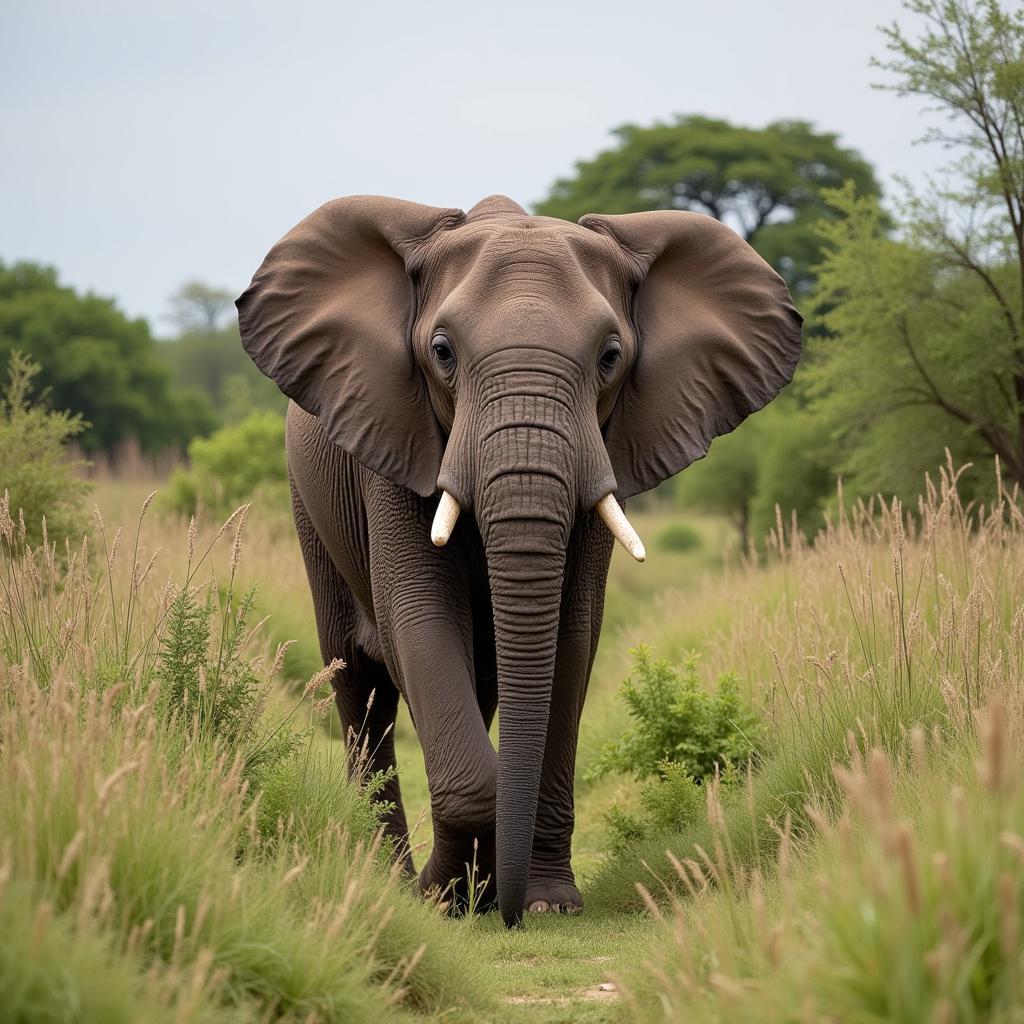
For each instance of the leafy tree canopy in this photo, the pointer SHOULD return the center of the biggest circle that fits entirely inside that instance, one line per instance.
(765, 182)
(919, 359)
(920, 340)
(96, 362)
(214, 363)
(776, 463)
(196, 306)
(927, 332)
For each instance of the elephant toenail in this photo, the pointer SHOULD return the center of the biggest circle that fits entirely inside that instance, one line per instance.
(539, 907)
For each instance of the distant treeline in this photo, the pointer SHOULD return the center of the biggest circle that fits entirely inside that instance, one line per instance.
(914, 322)
(126, 385)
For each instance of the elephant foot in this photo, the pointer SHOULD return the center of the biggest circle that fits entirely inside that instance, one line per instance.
(460, 875)
(553, 897)
(459, 894)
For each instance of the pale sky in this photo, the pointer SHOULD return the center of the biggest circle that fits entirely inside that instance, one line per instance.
(145, 143)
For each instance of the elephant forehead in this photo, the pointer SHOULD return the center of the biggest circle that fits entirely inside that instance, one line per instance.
(523, 300)
(523, 278)
(525, 263)
(494, 249)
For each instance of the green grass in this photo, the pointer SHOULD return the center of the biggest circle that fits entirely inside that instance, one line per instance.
(134, 842)
(552, 972)
(134, 829)
(869, 658)
(907, 907)
(867, 634)
(210, 931)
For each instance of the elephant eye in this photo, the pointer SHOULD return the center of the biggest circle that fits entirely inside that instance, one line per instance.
(610, 355)
(443, 352)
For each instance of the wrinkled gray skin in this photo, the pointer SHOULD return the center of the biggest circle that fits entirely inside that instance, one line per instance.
(529, 367)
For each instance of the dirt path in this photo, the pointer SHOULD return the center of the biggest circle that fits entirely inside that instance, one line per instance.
(565, 969)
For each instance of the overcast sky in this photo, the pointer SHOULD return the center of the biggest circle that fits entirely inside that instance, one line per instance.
(144, 143)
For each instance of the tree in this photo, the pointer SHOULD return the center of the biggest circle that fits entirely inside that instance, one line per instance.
(724, 483)
(927, 346)
(95, 361)
(210, 359)
(776, 458)
(196, 306)
(916, 359)
(766, 183)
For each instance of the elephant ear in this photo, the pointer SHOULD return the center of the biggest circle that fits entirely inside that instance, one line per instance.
(328, 317)
(717, 339)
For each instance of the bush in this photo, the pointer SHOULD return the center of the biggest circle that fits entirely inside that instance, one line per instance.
(231, 466)
(670, 803)
(678, 537)
(205, 679)
(96, 361)
(35, 470)
(678, 721)
(209, 683)
(846, 650)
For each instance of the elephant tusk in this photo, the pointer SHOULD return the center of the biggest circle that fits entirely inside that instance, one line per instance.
(615, 519)
(444, 519)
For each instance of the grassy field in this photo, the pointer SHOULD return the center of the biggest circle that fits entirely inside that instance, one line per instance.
(869, 866)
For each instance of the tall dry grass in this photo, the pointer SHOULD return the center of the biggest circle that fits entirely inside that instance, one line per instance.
(870, 868)
(907, 906)
(154, 863)
(890, 619)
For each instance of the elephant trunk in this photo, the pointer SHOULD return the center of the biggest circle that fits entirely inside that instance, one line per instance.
(525, 516)
(526, 591)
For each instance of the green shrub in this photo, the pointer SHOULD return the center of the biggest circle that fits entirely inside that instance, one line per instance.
(207, 682)
(670, 803)
(676, 720)
(233, 465)
(34, 467)
(796, 773)
(678, 537)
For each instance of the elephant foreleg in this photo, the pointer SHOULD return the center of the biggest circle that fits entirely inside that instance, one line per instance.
(422, 601)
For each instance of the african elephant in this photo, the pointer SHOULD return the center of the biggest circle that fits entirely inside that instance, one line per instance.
(470, 395)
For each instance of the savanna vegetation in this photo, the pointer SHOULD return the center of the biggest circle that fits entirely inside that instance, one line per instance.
(838, 717)
(96, 362)
(768, 183)
(799, 787)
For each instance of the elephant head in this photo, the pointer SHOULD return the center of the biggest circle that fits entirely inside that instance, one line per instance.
(529, 370)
